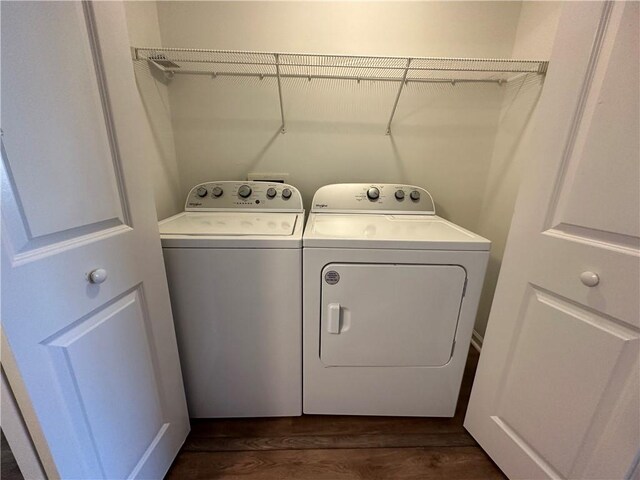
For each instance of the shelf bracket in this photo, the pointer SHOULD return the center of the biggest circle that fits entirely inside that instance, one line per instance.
(395, 104)
(277, 57)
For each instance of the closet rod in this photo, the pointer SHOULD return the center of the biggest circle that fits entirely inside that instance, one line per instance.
(451, 81)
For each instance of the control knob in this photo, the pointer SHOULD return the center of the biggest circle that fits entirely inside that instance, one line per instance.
(244, 191)
(286, 193)
(415, 195)
(217, 192)
(373, 193)
(201, 192)
(271, 192)
(399, 194)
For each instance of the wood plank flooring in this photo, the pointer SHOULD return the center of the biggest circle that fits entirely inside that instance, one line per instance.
(318, 447)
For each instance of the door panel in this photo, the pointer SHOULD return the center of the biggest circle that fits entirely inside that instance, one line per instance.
(593, 223)
(97, 364)
(389, 315)
(569, 336)
(116, 331)
(616, 267)
(604, 156)
(556, 392)
(51, 85)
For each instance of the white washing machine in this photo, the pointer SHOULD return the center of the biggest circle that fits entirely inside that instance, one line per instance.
(390, 298)
(234, 265)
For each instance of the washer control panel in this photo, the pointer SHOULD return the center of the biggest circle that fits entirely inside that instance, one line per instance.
(230, 195)
(373, 198)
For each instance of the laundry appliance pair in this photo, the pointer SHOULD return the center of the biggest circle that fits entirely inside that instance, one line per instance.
(368, 311)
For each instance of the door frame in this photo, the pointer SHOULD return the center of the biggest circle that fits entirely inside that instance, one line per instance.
(38, 457)
(17, 436)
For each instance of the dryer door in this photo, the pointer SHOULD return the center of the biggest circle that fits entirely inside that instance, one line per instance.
(389, 314)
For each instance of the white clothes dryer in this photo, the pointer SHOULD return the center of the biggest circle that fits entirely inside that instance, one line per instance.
(234, 261)
(390, 298)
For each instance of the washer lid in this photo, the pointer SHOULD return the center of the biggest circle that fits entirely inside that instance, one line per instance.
(427, 232)
(229, 224)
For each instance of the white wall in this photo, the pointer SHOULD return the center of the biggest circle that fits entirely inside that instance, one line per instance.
(387, 28)
(461, 142)
(443, 135)
(144, 29)
(534, 39)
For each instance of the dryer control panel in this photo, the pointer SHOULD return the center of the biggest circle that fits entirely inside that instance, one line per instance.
(390, 198)
(231, 195)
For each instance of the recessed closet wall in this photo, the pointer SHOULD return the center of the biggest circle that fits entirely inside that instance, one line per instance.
(460, 141)
(144, 29)
(534, 39)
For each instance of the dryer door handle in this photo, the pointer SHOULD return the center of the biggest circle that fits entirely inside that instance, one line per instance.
(333, 318)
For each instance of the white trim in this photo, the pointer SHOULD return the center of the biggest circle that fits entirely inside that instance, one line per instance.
(18, 436)
(476, 340)
(25, 408)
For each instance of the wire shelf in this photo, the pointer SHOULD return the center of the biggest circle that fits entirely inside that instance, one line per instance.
(401, 70)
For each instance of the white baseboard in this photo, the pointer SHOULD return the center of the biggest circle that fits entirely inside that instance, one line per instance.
(476, 340)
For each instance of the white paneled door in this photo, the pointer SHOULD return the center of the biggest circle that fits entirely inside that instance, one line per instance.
(557, 392)
(92, 358)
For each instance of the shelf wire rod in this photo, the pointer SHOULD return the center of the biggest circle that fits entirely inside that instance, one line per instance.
(277, 58)
(400, 88)
(537, 67)
(308, 77)
(155, 50)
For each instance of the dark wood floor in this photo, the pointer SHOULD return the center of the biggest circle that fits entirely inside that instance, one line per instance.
(328, 447)
(8, 468)
(336, 447)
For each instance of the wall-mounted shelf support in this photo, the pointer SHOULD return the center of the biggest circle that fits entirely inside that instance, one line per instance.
(395, 104)
(277, 59)
(358, 68)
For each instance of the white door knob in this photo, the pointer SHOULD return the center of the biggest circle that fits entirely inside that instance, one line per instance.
(98, 275)
(590, 279)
